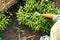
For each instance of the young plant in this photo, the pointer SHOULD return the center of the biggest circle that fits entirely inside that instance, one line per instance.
(4, 21)
(26, 14)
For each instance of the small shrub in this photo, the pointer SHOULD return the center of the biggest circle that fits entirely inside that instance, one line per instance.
(26, 14)
(4, 21)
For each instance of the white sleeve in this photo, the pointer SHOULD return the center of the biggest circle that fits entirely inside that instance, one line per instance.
(56, 18)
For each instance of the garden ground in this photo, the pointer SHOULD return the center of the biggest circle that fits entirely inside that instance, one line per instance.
(11, 33)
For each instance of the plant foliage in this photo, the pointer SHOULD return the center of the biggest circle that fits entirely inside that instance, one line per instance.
(4, 20)
(26, 14)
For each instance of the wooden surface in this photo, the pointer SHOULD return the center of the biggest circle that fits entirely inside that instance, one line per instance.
(5, 4)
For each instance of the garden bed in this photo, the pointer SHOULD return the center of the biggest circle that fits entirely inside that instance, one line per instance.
(11, 33)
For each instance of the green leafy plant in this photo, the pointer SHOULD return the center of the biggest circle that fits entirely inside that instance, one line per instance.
(4, 21)
(26, 14)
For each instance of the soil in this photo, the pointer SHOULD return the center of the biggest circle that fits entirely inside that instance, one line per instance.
(11, 32)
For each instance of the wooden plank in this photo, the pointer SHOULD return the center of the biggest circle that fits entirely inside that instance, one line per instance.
(5, 4)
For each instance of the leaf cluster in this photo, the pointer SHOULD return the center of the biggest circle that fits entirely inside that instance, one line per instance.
(4, 21)
(26, 14)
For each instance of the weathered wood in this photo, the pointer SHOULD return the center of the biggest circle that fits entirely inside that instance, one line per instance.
(5, 4)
